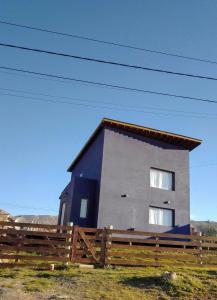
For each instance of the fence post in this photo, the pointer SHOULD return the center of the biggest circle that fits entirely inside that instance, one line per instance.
(105, 243)
(108, 244)
(200, 250)
(156, 248)
(74, 243)
(69, 240)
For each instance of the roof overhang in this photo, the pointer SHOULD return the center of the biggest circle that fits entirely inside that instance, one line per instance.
(178, 140)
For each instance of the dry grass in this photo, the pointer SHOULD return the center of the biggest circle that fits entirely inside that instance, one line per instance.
(107, 284)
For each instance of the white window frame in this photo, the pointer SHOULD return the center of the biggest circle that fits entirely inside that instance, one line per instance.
(159, 179)
(84, 208)
(161, 216)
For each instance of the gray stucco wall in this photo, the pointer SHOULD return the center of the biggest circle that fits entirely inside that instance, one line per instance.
(127, 160)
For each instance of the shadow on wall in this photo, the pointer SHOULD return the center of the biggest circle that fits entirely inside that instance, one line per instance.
(151, 141)
(185, 229)
(176, 230)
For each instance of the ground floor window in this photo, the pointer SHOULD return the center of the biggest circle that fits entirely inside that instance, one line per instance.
(161, 216)
(83, 208)
(62, 213)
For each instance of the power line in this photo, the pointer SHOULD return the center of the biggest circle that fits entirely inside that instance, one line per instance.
(114, 106)
(124, 108)
(108, 107)
(127, 46)
(108, 85)
(109, 62)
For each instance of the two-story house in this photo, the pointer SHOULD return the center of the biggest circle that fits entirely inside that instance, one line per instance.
(130, 176)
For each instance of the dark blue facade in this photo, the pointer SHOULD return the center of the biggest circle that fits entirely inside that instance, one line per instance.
(85, 182)
(83, 189)
(117, 162)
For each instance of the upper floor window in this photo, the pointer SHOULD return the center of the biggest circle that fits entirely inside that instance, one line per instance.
(83, 208)
(161, 179)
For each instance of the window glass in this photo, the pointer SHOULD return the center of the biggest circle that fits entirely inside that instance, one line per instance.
(83, 209)
(160, 216)
(62, 213)
(161, 179)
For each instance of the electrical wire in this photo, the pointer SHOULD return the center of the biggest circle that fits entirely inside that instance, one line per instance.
(109, 107)
(109, 62)
(88, 103)
(108, 85)
(127, 46)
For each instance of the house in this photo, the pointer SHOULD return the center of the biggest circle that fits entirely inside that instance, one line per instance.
(131, 177)
(5, 216)
(36, 219)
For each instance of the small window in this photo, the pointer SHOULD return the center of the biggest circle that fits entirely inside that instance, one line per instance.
(83, 209)
(162, 179)
(161, 216)
(62, 213)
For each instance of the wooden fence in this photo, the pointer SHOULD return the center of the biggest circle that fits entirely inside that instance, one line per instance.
(40, 245)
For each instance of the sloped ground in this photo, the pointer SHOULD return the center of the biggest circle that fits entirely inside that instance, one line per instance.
(109, 284)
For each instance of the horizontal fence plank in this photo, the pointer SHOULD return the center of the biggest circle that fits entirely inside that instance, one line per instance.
(161, 248)
(34, 233)
(89, 230)
(165, 235)
(31, 241)
(208, 245)
(8, 249)
(208, 238)
(33, 257)
(155, 234)
(21, 265)
(149, 263)
(158, 264)
(33, 225)
(152, 241)
(209, 258)
(153, 255)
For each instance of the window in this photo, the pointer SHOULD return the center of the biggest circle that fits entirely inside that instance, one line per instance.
(161, 216)
(62, 213)
(162, 179)
(83, 209)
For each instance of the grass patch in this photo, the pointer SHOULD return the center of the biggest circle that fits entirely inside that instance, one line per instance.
(115, 283)
(37, 285)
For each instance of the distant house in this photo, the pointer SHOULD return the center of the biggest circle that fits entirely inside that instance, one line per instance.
(36, 219)
(131, 177)
(5, 216)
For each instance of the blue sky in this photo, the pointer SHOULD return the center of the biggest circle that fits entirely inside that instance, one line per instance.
(39, 140)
